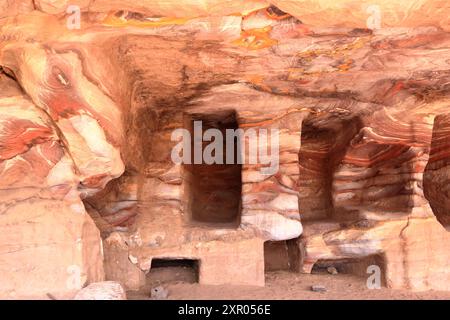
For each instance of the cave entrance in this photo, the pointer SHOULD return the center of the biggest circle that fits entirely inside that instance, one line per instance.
(173, 270)
(213, 190)
(361, 267)
(323, 146)
(315, 178)
(282, 255)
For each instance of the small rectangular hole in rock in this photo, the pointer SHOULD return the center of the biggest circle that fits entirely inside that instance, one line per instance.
(361, 267)
(281, 255)
(173, 270)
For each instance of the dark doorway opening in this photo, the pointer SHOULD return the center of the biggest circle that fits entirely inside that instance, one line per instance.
(173, 270)
(323, 146)
(282, 255)
(213, 190)
(360, 267)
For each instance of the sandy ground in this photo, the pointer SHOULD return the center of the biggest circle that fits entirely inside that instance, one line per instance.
(279, 285)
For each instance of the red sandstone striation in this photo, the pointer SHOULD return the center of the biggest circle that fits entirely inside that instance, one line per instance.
(86, 123)
(49, 243)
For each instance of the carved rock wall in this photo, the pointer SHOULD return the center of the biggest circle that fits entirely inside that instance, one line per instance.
(361, 116)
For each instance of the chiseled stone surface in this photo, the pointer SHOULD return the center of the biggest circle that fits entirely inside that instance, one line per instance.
(361, 114)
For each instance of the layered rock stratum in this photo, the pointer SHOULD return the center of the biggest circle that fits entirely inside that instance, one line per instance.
(359, 92)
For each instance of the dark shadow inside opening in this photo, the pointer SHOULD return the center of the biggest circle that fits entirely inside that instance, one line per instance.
(173, 270)
(213, 190)
(282, 255)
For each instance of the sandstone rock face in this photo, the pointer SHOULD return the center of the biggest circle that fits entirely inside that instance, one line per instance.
(49, 244)
(344, 13)
(11, 8)
(359, 107)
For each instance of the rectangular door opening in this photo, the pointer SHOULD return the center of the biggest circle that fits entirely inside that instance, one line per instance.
(361, 267)
(282, 255)
(213, 189)
(173, 270)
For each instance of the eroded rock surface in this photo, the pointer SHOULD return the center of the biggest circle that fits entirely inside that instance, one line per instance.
(361, 114)
(49, 244)
(106, 290)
